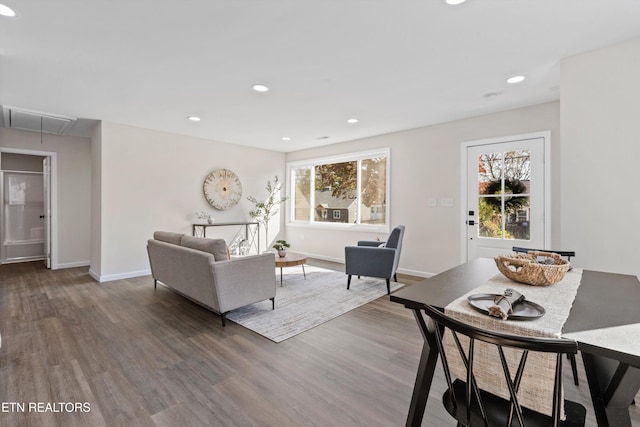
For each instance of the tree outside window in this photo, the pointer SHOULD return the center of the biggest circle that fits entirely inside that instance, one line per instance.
(504, 180)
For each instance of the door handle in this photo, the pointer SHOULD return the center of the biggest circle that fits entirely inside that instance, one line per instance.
(41, 216)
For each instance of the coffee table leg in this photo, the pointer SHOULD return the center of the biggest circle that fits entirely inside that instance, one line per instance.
(304, 272)
(280, 276)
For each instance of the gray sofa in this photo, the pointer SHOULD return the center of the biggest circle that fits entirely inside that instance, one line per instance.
(201, 270)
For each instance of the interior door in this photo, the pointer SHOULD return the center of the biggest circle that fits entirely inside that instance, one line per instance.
(23, 219)
(46, 182)
(505, 197)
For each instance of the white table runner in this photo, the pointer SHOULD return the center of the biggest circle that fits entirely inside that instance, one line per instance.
(536, 388)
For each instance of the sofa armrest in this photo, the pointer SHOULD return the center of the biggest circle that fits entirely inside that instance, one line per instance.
(246, 280)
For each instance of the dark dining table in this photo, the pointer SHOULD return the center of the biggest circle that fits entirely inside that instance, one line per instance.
(604, 320)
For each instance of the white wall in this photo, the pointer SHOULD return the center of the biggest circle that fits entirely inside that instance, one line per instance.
(116, 189)
(425, 162)
(600, 116)
(74, 189)
(153, 181)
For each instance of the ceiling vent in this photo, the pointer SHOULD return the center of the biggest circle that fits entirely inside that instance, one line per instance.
(22, 119)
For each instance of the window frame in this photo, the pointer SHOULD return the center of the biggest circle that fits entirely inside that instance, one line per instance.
(291, 167)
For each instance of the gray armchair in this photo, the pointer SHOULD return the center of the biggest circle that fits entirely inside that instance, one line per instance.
(373, 259)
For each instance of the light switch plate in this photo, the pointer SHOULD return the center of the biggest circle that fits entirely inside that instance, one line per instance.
(446, 202)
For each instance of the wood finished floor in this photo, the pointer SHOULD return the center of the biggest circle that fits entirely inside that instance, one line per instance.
(147, 357)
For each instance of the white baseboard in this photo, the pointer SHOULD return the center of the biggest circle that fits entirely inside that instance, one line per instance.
(111, 277)
(416, 273)
(323, 258)
(73, 264)
(410, 272)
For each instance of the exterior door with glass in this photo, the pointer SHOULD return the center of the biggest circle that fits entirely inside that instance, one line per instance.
(505, 197)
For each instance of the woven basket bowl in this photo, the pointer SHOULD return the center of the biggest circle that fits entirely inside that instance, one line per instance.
(525, 268)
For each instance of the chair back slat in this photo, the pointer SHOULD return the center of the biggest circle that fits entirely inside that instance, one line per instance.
(567, 254)
(514, 404)
(557, 391)
(443, 358)
(517, 380)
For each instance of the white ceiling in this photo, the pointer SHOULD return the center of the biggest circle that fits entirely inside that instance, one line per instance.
(393, 64)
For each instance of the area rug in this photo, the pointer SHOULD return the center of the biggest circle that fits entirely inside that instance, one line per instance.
(304, 304)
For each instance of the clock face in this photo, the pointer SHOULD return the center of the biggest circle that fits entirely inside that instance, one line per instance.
(222, 189)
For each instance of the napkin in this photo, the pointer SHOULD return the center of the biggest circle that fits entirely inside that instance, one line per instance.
(503, 304)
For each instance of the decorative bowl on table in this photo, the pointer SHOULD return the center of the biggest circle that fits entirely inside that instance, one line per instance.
(534, 268)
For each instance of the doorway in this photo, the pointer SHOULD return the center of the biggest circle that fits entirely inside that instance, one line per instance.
(25, 211)
(505, 188)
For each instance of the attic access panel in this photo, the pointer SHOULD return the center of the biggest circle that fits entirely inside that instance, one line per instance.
(21, 119)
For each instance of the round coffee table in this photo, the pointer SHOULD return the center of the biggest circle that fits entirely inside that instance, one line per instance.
(291, 259)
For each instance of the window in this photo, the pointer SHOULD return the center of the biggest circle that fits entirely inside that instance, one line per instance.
(351, 189)
(504, 180)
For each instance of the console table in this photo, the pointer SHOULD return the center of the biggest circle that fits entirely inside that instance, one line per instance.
(251, 231)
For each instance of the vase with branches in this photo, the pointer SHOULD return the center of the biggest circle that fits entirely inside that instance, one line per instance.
(266, 209)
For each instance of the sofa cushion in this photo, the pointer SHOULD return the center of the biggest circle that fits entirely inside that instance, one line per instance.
(168, 237)
(216, 247)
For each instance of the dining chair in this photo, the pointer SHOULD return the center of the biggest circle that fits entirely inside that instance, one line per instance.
(472, 406)
(568, 254)
(372, 258)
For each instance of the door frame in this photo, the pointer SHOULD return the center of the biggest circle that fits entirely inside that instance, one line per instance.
(546, 158)
(53, 209)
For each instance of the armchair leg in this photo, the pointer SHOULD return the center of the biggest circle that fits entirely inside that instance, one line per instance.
(155, 283)
(224, 319)
(273, 303)
(388, 287)
(348, 281)
(395, 278)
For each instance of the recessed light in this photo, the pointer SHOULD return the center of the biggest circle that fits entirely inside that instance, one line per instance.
(323, 137)
(454, 2)
(194, 118)
(491, 95)
(260, 88)
(515, 79)
(6, 11)
(352, 121)
(286, 138)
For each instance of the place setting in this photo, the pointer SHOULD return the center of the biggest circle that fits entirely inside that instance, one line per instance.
(535, 269)
(511, 305)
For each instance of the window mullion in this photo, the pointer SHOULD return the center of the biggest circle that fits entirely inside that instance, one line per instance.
(312, 193)
(503, 214)
(358, 191)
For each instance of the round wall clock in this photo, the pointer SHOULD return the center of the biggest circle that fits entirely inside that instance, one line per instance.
(222, 189)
